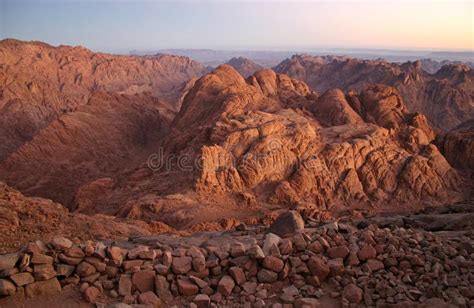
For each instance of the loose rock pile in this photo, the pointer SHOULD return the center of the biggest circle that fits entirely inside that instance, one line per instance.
(369, 266)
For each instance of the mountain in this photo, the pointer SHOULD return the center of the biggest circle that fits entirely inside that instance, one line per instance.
(445, 97)
(235, 151)
(39, 83)
(432, 66)
(268, 142)
(244, 66)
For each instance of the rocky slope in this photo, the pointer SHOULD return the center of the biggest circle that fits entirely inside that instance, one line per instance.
(245, 67)
(39, 83)
(308, 264)
(24, 219)
(444, 97)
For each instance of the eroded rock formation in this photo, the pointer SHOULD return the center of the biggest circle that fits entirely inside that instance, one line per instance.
(445, 97)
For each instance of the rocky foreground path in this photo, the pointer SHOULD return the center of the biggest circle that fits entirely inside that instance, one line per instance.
(383, 262)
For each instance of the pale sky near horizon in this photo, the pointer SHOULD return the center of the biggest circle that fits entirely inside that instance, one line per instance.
(120, 26)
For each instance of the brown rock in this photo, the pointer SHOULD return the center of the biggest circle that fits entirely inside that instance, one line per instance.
(75, 252)
(375, 265)
(132, 265)
(149, 299)
(61, 243)
(8, 261)
(22, 279)
(287, 223)
(39, 258)
(91, 294)
(338, 252)
(237, 274)
(162, 288)
(273, 263)
(144, 281)
(336, 267)
(318, 267)
(125, 285)
(226, 285)
(44, 271)
(6, 287)
(265, 275)
(46, 287)
(187, 288)
(181, 265)
(69, 260)
(202, 301)
(115, 253)
(366, 252)
(85, 269)
(352, 293)
(307, 302)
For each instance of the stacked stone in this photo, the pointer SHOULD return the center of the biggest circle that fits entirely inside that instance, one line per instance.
(371, 266)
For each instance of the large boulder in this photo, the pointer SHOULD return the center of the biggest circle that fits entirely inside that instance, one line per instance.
(287, 223)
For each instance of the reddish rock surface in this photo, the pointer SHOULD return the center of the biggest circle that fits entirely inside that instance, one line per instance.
(445, 97)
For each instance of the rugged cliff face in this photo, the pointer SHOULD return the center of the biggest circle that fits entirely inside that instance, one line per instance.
(326, 156)
(444, 97)
(458, 147)
(39, 83)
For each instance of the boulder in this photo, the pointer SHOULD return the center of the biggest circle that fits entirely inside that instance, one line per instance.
(226, 285)
(41, 288)
(287, 223)
(149, 299)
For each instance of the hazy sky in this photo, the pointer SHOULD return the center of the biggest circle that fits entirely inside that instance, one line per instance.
(119, 26)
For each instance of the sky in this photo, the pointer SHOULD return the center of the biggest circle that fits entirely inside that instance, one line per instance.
(121, 26)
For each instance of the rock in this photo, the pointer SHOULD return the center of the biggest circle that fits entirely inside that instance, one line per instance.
(61, 243)
(226, 285)
(149, 299)
(202, 301)
(69, 260)
(271, 240)
(318, 267)
(187, 288)
(237, 250)
(273, 263)
(22, 279)
(162, 288)
(74, 252)
(115, 253)
(287, 223)
(39, 258)
(144, 280)
(307, 302)
(134, 252)
(125, 285)
(8, 261)
(238, 275)
(85, 269)
(132, 265)
(375, 265)
(352, 293)
(43, 288)
(285, 246)
(199, 264)
(366, 252)
(181, 265)
(44, 271)
(338, 252)
(91, 294)
(250, 287)
(265, 275)
(336, 267)
(7, 287)
(257, 253)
